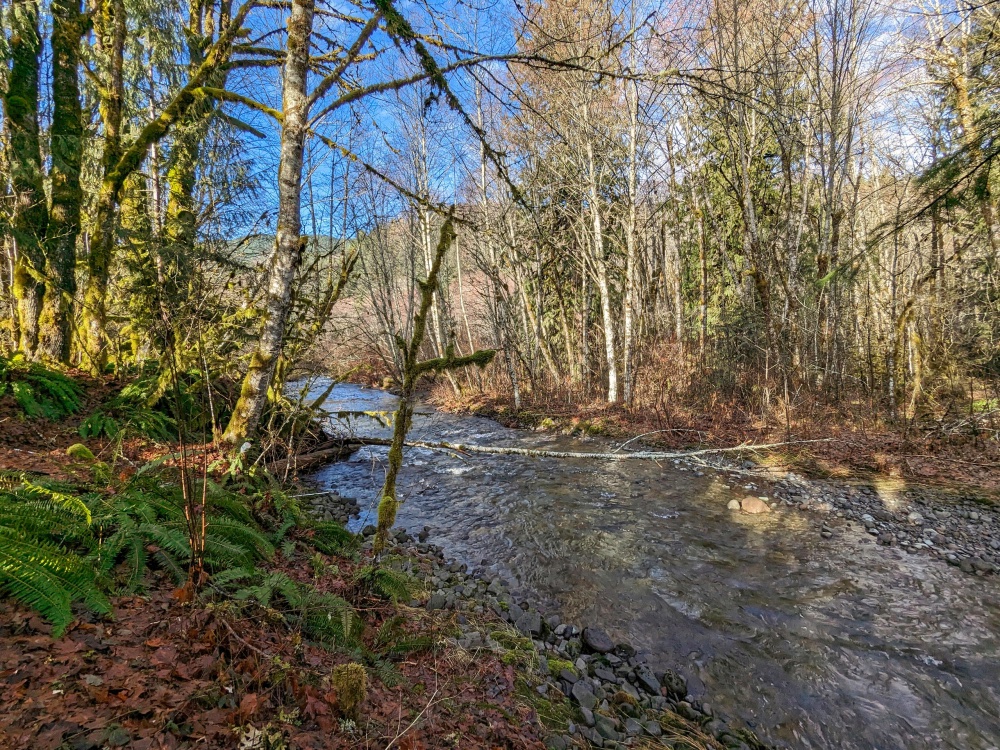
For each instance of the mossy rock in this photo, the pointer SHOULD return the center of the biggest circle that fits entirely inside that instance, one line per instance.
(558, 665)
(80, 452)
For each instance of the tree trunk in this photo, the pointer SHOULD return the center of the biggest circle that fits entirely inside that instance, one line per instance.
(603, 286)
(110, 29)
(30, 211)
(289, 244)
(67, 194)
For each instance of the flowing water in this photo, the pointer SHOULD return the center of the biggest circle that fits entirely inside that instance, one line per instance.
(814, 643)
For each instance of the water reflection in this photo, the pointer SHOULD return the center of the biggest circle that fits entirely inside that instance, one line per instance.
(815, 643)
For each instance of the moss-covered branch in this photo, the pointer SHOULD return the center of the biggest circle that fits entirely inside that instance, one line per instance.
(413, 369)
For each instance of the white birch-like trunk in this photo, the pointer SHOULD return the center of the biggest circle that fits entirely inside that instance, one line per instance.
(289, 244)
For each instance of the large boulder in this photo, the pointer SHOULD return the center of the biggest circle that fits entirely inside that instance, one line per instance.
(597, 640)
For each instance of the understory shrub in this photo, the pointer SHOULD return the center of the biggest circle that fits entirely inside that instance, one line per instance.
(38, 390)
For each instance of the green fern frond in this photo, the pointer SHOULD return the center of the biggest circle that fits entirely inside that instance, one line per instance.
(69, 503)
(331, 538)
(47, 578)
(38, 390)
(386, 583)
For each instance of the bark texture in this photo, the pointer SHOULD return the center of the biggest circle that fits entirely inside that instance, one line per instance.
(289, 243)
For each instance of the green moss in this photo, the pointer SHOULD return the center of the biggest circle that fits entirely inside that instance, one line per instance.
(80, 452)
(558, 665)
(553, 711)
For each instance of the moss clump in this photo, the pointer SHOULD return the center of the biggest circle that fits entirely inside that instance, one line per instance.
(80, 452)
(351, 683)
(621, 698)
(558, 665)
(553, 710)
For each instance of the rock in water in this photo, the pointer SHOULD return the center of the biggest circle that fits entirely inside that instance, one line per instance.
(734, 505)
(754, 505)
(597, 641)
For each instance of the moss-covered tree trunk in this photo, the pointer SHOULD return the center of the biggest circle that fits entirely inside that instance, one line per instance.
(30, 211)
(289, 243)
(118, 163)
(66, 136)
(110, 28)
(413, 370)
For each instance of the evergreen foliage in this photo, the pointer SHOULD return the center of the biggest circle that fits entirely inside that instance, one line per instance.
(42, 533)
(38, 390)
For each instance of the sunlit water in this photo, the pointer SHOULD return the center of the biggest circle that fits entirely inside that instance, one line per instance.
(814, 643)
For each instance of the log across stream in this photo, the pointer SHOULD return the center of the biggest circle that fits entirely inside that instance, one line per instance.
(815, 642)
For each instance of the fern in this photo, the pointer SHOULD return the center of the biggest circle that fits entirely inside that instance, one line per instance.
(38, 390)
(42, 533)
(385, 582)
(150, 512)
(331, 538)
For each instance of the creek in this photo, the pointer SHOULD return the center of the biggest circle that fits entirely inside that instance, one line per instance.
(812, 642)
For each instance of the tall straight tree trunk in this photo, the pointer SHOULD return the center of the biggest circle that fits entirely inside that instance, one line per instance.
(110, 28)
(289, 243)
(601, 272)
(30, 210)
(631, 251)
(67, 194)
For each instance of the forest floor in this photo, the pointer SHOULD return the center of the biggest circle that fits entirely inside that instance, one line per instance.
(825, 445)
(165, 674)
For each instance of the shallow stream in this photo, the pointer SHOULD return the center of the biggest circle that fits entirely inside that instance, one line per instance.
(814, 643)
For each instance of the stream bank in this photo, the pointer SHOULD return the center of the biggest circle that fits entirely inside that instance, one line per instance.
(586, 689)
(797, 625)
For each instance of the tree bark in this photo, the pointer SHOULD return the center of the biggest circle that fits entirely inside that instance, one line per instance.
(30, 210)
(110, 28)
(289, 243)
(67, 194)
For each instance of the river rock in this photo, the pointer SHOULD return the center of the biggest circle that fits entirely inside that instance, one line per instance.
(604, 675)
(647, 681)
(754, 505)
(915, 518)
(733, 505)
(597, 641)
(582, 694)
(529, 623)
(675, 684)
(437, 601)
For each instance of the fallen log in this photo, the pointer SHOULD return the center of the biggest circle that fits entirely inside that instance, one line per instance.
(342, 449)
(500, 450)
